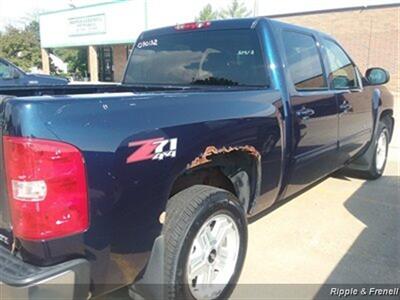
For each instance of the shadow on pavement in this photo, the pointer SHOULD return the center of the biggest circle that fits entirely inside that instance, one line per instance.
(373, 258)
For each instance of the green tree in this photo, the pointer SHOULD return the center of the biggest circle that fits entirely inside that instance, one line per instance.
(207, 14)
(34, 28)
(76, 59)
(235, 10)
(21, 46)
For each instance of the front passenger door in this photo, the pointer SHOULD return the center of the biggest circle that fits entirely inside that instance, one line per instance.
(354, 103)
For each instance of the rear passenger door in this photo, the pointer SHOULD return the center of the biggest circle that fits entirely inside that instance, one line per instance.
(314, 110)
(355, 104)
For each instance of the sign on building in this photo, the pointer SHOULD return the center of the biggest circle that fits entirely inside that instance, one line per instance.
(99, 24)
(86, 25)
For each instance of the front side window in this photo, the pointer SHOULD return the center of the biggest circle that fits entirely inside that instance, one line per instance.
(304, 62)
(216, 57)
(342, 73)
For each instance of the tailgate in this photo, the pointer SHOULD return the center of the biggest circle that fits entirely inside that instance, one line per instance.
(5, 224)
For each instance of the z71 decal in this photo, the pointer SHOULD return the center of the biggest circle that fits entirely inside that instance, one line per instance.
(153, 149)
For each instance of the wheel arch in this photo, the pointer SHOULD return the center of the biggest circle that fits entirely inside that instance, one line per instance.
(382, 108)
(387, 114)
(235, 169)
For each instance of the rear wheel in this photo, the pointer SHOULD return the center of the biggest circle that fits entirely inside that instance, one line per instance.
(205, 243)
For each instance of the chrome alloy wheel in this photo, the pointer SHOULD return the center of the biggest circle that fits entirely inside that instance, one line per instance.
(381, 150)
(213, 257)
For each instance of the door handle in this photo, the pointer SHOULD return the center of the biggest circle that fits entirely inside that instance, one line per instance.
(345, 107)
(305, 113)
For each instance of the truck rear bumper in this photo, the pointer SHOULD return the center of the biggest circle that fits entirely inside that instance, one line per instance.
(19, 280)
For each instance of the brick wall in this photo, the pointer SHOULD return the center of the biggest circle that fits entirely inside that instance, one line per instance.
(370, 36)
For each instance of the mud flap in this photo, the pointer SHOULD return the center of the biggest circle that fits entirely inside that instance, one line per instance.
(363, 162)
(151, 285)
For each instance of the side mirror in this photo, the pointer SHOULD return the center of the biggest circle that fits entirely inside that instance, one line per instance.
(377, 76)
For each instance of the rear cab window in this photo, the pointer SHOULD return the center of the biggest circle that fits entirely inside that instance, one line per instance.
(199, 58)
(304, 61)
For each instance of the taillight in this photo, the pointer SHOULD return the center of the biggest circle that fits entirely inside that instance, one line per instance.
(47, 188)
(193, 25)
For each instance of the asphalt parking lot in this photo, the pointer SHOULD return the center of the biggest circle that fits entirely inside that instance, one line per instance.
(341, 231)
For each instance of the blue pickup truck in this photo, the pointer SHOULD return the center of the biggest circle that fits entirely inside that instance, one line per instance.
(11, 75)
(151, 183)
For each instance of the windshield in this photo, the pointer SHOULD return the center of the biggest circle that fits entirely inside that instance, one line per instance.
(223, 58)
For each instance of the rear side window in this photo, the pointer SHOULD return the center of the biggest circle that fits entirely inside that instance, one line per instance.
(342, 73)
(304, 61)
(220, 57)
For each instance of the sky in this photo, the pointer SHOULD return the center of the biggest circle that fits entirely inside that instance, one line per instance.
(17, 12)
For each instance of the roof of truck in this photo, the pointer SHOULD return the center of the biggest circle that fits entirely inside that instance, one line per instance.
(243, 23)
(216, 25)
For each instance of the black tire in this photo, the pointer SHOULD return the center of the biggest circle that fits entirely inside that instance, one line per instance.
(373, 172)
(186, 212)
